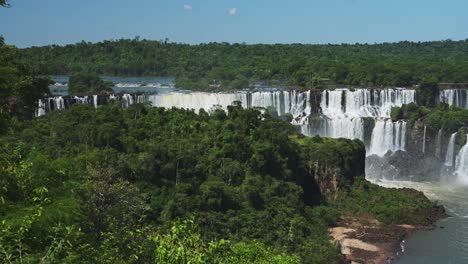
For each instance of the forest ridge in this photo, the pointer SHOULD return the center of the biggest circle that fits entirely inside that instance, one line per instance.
(215, 66)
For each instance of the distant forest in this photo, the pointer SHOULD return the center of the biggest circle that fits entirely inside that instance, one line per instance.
(216, 66)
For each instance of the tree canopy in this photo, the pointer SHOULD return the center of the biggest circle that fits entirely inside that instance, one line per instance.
(144, 184)
(213, 66)
(19, 87)
(86, 83)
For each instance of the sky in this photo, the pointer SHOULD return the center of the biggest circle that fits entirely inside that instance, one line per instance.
(41, 22)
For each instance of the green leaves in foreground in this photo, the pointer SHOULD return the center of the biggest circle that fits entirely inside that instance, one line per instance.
(183, 244)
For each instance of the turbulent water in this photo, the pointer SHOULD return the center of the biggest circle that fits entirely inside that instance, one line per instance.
(448, 242)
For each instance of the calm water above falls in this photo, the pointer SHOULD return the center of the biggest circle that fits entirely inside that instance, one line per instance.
(121, 84)
(441, 245)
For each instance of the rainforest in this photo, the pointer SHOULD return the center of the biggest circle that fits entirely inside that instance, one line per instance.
(138, 150)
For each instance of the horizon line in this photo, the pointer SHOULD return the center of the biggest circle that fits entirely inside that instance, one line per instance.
(168, 41)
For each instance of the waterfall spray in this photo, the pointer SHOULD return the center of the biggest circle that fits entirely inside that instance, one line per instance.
(450, 150)
(439, 140)
(461, 170)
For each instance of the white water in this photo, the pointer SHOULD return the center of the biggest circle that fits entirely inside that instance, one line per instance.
(198, 100)
(450, 150)
(127, 100)
(387, 136)
(461, 170)
(59, 103)
(441, 245)
(438, 144)
(424, 141)
(40, 110)
(456, 97)
(342, 110)
(344, 118)
(81, 100)
(95, 101)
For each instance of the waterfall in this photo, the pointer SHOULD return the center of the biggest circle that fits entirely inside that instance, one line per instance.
(59, 103)
(141, 98)
(283, 102)
(127, 100)
(387, 135)
(300, 107)
(450, 150)
(40, 110)
(199, 100)
(341, 111)
(81, 100)
(95, 101)
(438, 147)
(344, 109)
(455, 97)
(461, 170)
(424, 141)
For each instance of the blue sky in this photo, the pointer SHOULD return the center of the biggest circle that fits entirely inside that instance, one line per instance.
(42, 22)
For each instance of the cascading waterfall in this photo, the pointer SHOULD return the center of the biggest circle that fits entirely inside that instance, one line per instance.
(141, 98)
(342, 110)
(95, 101)
(439, 142)
(299, 107)
(387, 136)
(59, 103)
(40, 110)
(127, 100)
(450, 150)
(199, 100)
(455, 97)
(424, 141)
(342, 118)
(461, 170)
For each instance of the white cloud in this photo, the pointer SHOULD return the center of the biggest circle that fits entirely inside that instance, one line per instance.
(232, 11)
(188, 7)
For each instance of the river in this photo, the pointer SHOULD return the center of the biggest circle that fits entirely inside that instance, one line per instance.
(448, 242)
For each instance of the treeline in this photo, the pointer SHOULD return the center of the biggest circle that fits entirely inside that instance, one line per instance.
(233, 66)
(20, 88)
(146, 185)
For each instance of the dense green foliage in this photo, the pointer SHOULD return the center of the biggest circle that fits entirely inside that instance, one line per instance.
(100, 182)
(427, 93)
(390, 206)
(19, 88)
(223, 65)
(86, 83)
(449, 119)
(107, 185)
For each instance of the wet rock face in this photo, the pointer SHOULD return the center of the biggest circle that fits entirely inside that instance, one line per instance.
(421, 161)
(403, 165)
